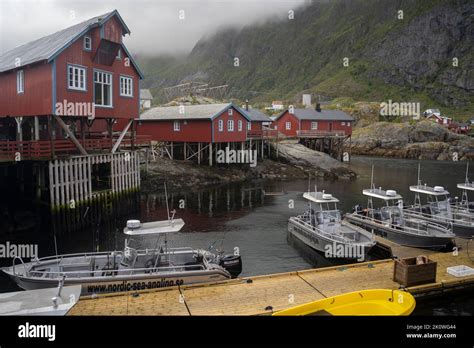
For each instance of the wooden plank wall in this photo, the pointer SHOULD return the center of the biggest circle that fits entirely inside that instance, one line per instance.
(70, 180)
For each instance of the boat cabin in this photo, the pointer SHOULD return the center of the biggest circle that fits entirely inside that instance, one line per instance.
(392, 212)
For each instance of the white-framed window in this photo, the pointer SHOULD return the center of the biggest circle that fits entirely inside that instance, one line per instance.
(20, 82)
(102, 88)
(230, 112)
(314, 125)
(126, 86)
(343, 123)
(249, 125)
(119, 54)
(239, 125)
(230, 125)
(221, 125)
(76, 78)
(87, 43)
(288, 125)
(176, 126)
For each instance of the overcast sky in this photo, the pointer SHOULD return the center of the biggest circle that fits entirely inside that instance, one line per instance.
(154, 24)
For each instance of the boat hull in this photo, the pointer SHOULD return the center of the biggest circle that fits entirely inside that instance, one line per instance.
(111, 284)
(327, 246)
(399, 237)
(380, 302)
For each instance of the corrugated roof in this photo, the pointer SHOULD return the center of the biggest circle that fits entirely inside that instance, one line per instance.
(145, 94)
(257, 115)
(312, 114)
(204, 111)
(47, 47)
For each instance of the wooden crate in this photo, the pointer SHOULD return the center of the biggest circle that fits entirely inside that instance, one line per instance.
(407, 273)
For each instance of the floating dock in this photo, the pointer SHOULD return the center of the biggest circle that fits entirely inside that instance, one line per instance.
(262, 295)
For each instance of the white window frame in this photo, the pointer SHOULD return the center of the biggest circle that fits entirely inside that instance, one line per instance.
(230, 125)
(20, 82)
(314, 125)
(108, 77)
(230, 112)
(249, 125)
(176, 126)
(119, 54)
(126, 86)
(287, 125)
(87, 38)
(76, 78)
(343, 123)
(221, 125)
(239, 125)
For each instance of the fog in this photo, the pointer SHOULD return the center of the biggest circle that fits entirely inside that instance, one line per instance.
(156, 27)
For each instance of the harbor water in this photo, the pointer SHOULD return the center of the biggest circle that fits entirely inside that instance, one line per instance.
(251, 219)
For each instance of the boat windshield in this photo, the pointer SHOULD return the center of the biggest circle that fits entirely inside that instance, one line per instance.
(393, 214)
(440, 208)
(328, 216)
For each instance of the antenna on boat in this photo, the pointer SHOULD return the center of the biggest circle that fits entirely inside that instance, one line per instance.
(419, 180)
(467, 172)
(372, 178)
(166, 199)
(309, 183)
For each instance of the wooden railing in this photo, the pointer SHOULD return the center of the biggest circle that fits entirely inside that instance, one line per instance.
(44, 149)
(264, 133)
(316, 133)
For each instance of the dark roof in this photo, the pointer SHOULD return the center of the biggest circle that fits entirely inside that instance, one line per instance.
(257, 115)
(195, 112)
(48, 47)
(312, 114)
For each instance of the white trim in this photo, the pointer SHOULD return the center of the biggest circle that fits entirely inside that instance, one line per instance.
(84, 46)
(108, 82)
(221, 125)
(78, 81)
(230, 125)
(176, 126)
(126, 86)
(249, 125)
(314, 125)
(287, 125)
(20, 82)
(239, 125)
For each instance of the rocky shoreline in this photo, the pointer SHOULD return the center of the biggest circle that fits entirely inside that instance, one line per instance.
(421, 140)
(185, 175)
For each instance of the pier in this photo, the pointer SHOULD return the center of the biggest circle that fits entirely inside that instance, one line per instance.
(262, 295)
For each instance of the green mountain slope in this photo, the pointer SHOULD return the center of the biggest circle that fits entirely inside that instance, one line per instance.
(409, 59)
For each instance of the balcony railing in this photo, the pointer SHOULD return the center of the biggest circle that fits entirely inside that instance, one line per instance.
(319, 133)
(264, 133)
(44, 149)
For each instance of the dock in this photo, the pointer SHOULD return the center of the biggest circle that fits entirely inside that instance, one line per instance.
(262, 295)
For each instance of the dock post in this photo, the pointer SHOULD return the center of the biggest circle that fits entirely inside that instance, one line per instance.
(210, 154)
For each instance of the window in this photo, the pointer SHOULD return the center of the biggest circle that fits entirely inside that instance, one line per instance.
(176, 126)
(343, 123)
(249, 125)
(230, 125)
(76, 78)
(240, 125)
(87, 43)
(20, 82)
(221, 125)
(314, 125)
(102, 88)
(288, 125)
(126, 86)
(119, 54)
(230, 112)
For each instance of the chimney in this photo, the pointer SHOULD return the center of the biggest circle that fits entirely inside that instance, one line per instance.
(246, 104)
(318, 107)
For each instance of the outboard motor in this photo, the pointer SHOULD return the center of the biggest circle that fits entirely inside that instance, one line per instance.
(232, 264)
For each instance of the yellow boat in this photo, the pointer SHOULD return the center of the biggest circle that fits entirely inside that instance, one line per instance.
(364, 302)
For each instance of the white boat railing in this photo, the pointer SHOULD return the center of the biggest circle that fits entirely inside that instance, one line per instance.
(300, 219)
(115, 272)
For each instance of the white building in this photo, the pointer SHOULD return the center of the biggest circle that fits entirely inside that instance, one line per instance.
(145, 98)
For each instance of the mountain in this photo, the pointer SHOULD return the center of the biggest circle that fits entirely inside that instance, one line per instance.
(403, 59)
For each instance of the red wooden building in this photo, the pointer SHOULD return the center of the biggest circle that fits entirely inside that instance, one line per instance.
(302, 122)
(68, 103)
(69, 91)
(198, 131)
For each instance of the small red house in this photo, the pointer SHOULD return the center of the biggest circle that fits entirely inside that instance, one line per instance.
(298, 121)
(73, 86)
(207, 123)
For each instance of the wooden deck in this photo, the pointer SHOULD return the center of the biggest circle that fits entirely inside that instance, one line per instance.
(261, 295)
